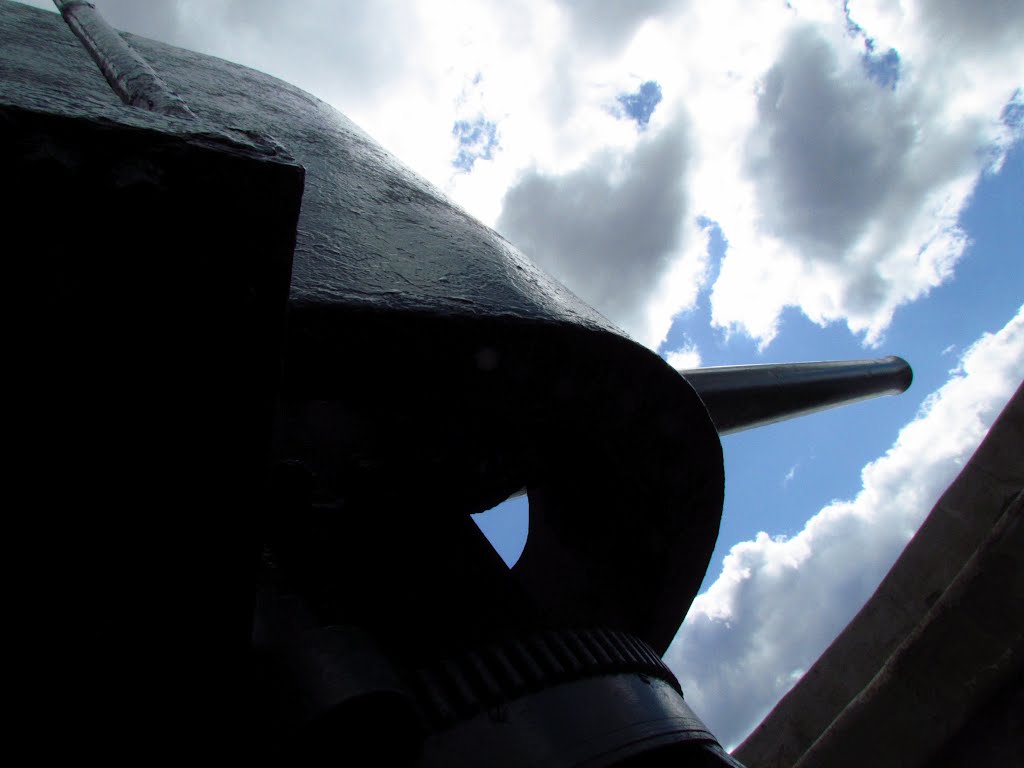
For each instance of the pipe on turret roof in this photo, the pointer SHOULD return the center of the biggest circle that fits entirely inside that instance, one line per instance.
(128, 74)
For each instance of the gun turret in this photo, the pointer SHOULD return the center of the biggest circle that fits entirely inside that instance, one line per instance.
(297, 370)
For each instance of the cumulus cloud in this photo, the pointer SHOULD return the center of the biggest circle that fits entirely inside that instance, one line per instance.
(686, 358)
(826, 149)
(609, 24)
(779, 601)
(857, 186)
(979, 24)
(610, 230)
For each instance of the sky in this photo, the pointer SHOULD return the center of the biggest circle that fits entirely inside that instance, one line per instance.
(729, 183)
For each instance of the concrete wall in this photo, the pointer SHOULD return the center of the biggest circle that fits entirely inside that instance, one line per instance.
(938, 639)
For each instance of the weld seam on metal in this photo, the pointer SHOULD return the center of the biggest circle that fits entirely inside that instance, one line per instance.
(128, 74)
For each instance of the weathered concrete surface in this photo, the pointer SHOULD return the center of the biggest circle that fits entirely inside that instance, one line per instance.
(961, 654)
(993, 736)
(919, 609)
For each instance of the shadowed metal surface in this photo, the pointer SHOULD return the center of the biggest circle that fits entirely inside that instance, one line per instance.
(462, 373)
(430, 369)
(151, 260)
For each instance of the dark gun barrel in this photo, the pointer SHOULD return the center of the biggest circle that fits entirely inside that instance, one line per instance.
(740, 397)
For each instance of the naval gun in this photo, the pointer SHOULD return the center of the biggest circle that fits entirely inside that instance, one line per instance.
(266, 374)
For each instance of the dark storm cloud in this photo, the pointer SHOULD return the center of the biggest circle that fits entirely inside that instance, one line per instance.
(609, 229)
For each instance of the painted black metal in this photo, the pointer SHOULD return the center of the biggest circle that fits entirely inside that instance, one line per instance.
(461, 373)
(152, 274)
(460, 687)
(327, 685)
(132, 79)
(747, 396)
(603, 721)
(148, 270)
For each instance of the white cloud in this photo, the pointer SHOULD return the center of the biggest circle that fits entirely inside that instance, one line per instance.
(613, 231)
(847, 193)
(788, 478)
(609, 24)
(685, 358)
(779, 601)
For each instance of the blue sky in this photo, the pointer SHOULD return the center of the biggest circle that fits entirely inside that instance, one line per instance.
(640, 105)
(477, 140)
(729, 183)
